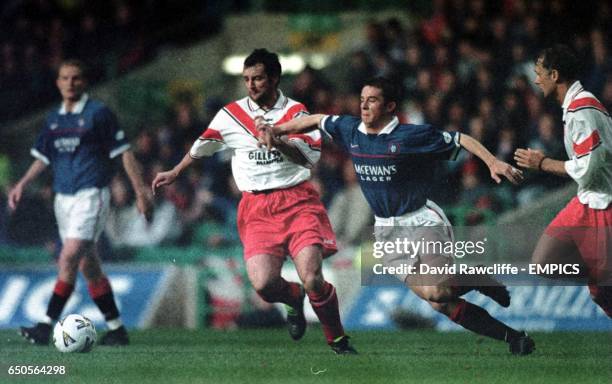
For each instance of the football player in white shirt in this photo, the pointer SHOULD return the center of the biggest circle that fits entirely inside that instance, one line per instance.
(280, 212)
(582, 232)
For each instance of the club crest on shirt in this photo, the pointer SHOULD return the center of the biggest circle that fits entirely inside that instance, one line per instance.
(393, 148)
(81, 122)
(447, 137)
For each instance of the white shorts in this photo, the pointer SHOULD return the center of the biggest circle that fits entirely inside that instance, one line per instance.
(426, 224)
(82, 215)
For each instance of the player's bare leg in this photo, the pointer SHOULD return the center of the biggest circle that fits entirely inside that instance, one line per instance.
(323, 298)
(264, 272)
(68, 262)
(101, 293)
(551, 250)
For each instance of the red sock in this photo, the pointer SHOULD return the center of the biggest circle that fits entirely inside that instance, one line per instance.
(325, 306)
(61, 293)
(102, 294)
(63, 289)
(99, 288)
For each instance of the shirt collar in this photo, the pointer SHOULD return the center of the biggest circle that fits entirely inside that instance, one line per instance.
(281, 102)
(78, 107)
(574, 90)
(387, 129)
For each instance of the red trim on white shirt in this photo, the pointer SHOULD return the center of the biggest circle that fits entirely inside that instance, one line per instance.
(587, 145)
(292, 112)
(242, 118)
(586, 102)
(211, 134)
(315, 144)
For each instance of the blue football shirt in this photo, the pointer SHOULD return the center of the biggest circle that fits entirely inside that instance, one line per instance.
(79, 146)
(395, 167)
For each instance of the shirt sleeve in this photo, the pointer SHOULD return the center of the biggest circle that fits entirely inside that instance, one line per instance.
(586, 143)
(338, 127)
(112, 137)
(41, 150)
(210, 141)
(429, 140)
(309, 145)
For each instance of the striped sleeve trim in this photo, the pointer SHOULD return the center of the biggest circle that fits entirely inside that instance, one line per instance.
(586, 103)
(119, 150)
(587, 145)
(36, 154)
(457, 149)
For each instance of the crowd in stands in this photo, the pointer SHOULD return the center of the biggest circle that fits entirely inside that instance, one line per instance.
(112, 37)
(467, 67)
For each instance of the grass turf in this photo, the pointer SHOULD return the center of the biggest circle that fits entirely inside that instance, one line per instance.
(269, 356)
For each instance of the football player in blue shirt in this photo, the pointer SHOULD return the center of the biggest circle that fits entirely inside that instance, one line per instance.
(79, 141)
(393, 163)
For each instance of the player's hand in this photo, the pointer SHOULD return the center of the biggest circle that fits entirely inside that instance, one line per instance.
(500, 168)
(260, 123)
(14, 196)
(529, 158)
(144, 203)
(267, 139)
(163, 178)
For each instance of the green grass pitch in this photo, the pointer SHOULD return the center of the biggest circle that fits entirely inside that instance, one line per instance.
(269, 356)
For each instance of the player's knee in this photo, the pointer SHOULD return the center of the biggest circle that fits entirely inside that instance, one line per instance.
(539, 257)
(265, 288)
(68, 261)
(91, 269)
(440, 307)
(73, 250)
(438, 294)
(313, 282)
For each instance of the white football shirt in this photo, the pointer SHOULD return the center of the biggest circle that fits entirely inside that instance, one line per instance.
(255, 168)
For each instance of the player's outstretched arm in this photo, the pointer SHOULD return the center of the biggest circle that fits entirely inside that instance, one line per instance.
(299, 125)
(16, 192)
(168, 177)
(496, 167)
(269, 132)
(144, 199)
(537, 160)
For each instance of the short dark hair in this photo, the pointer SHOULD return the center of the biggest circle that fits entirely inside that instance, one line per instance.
(75, 63)
(268, 59)
(560, 58)
(390, 91)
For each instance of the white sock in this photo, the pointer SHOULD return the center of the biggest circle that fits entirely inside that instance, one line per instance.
(114, 324)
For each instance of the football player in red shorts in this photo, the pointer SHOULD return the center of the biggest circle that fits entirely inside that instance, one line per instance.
(280, 212)
(582, 232)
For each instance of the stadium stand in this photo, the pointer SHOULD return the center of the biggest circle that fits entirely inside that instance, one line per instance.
(465, 69)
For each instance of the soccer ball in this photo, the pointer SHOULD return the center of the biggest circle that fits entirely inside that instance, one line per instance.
(74, 333)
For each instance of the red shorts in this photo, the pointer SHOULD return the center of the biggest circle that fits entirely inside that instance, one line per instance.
(282, 222)
(590, 230)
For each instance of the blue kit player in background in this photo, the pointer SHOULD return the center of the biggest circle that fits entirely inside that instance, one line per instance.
(394, 167)
(79, 141)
